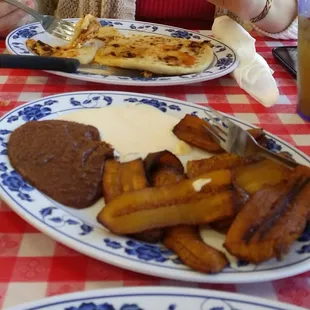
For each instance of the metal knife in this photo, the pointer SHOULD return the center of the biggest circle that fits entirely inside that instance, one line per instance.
(68, 65)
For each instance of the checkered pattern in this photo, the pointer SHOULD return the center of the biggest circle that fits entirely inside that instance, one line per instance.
(33, 266)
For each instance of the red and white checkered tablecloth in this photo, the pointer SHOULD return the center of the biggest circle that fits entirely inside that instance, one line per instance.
(33, 266)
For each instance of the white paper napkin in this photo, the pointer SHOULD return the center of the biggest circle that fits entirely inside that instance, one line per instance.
(253, 73)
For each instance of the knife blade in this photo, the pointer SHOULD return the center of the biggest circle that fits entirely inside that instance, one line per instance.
(68, 65)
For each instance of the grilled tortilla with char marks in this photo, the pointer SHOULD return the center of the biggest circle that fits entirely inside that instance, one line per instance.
(85, 29)
(85, 54)
(156, 54)
(88, 37)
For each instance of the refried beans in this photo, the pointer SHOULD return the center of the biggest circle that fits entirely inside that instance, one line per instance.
(62, 159)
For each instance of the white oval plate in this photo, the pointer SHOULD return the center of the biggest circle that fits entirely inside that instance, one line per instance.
(154, 298)
(225, 60)
(79, 230)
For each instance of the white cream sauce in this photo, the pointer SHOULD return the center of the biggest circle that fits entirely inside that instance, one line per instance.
(200, 183)
(136, 130)
(216, 241)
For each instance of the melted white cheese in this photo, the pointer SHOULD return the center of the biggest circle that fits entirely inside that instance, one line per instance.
(216, 241)
(200, 183)
(135, 130)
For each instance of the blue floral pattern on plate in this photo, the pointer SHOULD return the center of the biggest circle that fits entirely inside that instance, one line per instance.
(92, 101)
(33, 113)
(154, 298)
(225, 62)
(15, 183)
(16, 44)
(26, 32)
(3, 140)
(148, 28)
(183, 34)
(160, 105)
(105, 306)
(80, 233)
(63, 219)
(21, 47)
(109, 23)
(144, 251)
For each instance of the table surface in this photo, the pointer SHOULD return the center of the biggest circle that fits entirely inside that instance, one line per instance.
(33, 266)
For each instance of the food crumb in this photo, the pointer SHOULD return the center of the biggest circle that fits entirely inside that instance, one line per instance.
(4, 103)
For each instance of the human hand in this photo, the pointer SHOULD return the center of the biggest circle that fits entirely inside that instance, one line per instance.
(12, 17)
(245, 9)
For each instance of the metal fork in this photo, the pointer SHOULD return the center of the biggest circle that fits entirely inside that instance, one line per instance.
(55, 26)
(234, 139)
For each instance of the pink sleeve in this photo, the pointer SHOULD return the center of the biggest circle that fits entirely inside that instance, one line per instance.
(291, 33)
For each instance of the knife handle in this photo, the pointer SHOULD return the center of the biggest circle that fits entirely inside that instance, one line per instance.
(68, 65)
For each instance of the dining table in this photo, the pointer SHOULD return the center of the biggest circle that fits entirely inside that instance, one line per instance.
(33, 266)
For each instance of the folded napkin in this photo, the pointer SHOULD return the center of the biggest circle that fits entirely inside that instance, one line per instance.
(253, 73)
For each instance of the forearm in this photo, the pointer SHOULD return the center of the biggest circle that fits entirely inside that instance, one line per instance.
(280, 16)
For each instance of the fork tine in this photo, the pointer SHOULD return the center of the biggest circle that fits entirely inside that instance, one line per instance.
(61, 36)
(65, 27)
(209, 115)
(214, 135)
(223, 129)
(63, 31)
(69, 24)
(219, 115)
(222, 118)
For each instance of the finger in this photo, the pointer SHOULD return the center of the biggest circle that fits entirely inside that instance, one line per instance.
(11, 20)
(5, 9)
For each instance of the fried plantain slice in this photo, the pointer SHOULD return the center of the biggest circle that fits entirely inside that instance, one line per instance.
(111, 184)
(199, 201)
(249, 177)
(222, 161)
(119, 178)
(257, 133)
(185, 241)
(271, 220)
(191, 129)
(133, 176)
(255, 176)
(163, 168)
(154, 235)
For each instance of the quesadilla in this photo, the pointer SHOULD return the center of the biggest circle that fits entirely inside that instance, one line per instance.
(85, 54)
(148, 53)
(157, 54)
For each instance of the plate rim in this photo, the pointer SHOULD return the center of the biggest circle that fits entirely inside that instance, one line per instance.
(74, 243)
(139, 83)
(175, 291)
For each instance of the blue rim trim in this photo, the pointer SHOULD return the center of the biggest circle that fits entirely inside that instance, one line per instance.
(159, 295)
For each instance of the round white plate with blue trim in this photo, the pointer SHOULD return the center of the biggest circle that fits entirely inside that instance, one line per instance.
(78, 229)
(154, 298)
(225, 59)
